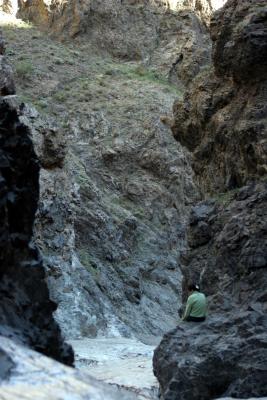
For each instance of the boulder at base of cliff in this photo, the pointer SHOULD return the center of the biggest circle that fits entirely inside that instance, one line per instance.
(224, 356)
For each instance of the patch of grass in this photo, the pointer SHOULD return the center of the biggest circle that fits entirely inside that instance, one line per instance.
(80, 174)
(60, 96)
(226, 197)
(87, 262)
(24, 69)
(142, 73)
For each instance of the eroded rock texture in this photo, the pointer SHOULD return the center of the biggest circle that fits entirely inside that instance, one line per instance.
(228, 248)
(223, 122)
(222, 357)
(114, 196)
(25, 307)
(107, 245)
(226, 354)
(222, 119)
(171, 36)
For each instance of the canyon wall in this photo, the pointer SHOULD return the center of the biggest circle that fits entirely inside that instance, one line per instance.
(222, 120)
(115, 186)
(25, 305)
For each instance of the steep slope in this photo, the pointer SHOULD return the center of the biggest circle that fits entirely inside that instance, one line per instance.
(170, 36)
(114, 198)
(223, 121)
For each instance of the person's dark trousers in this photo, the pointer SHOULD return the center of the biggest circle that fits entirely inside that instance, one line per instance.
(195, 319)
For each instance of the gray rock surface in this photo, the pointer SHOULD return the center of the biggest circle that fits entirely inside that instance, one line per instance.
(115, 189)
(224, 356)
(102, 232)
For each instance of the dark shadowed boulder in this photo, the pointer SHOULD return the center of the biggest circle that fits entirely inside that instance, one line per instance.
(26, 311)
(25, 307)
(227, 255)
(224, 356)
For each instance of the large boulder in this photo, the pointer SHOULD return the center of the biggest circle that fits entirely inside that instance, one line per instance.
(224, 356)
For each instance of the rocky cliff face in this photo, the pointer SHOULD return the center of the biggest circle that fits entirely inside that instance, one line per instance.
(25, 307)
(222, 119)
(115, 188)
(107, 245)
(223, 122)
(170, 36)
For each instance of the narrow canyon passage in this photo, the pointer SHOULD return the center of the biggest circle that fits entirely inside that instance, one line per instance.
(112, 259)
(132, 170)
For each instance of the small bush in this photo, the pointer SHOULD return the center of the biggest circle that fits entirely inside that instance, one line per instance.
(24, 69)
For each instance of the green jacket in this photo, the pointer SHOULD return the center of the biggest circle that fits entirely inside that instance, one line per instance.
(196, 306)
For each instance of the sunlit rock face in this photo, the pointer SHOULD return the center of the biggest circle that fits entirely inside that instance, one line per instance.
(170, 36)
(216, 4)
(222, 119)
(25, 306)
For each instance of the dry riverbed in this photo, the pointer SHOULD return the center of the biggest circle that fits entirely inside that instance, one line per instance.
(118, 361)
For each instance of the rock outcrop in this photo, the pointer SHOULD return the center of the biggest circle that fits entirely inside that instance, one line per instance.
(170, 36)
(31, 375)
(222, 119)
(25, 307)
(228, 248)
(98, 227)
(224, 356)
(7, 86)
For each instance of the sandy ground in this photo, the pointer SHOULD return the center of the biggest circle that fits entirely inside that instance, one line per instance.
(119, 361)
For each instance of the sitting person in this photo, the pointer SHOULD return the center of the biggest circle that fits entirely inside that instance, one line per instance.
(196, 305)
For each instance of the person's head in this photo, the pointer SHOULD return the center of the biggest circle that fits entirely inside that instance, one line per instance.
(192, 287)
